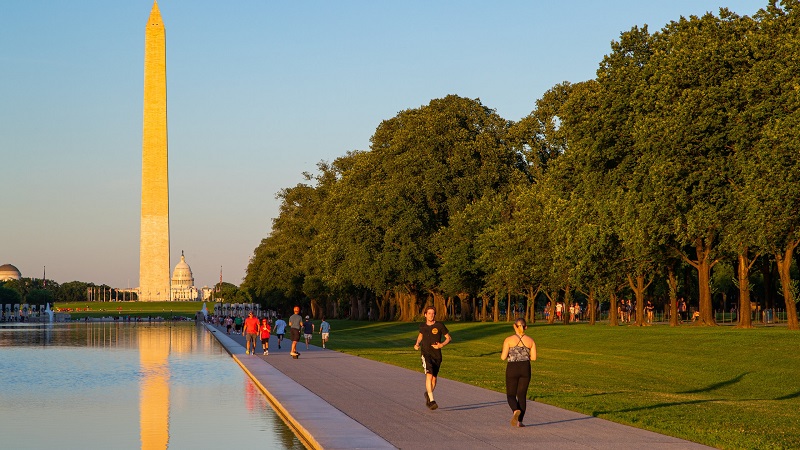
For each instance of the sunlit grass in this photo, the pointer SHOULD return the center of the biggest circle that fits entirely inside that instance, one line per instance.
(78, 310)
(720, 386)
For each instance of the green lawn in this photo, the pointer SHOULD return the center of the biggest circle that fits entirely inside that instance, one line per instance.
(720, 386)
(79, 310)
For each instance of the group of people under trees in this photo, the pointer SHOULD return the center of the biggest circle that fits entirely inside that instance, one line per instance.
(574, 310)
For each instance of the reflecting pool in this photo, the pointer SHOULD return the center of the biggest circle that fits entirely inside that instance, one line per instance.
(128, 385)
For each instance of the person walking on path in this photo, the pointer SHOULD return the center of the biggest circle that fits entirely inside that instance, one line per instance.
(265, 329)
(325, 331)
(430, 343)
(519, 349)
(280, 329)
(295, 322)
(308, 331)
(250, 332)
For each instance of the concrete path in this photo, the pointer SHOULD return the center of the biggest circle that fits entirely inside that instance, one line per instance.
(336, 400)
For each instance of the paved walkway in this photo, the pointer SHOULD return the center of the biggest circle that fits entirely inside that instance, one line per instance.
(338, 401)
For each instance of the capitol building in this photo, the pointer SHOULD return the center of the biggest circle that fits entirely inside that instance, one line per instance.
(182, 286)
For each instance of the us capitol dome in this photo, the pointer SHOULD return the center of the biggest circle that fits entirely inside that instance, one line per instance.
(183, 283)
(9, 272)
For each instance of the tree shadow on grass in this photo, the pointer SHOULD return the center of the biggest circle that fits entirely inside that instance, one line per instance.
(605, 393)
(715, 386)
(656, 406)
(789, 396)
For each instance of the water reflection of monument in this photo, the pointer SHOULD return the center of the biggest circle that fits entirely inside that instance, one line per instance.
(154, 347)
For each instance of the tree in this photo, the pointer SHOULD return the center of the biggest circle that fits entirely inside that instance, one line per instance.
(425, 165)
(9, 296)
(40, 297)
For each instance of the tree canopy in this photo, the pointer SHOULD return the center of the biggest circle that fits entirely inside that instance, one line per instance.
(682, 153)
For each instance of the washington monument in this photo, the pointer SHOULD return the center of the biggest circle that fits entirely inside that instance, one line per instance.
(154, 279)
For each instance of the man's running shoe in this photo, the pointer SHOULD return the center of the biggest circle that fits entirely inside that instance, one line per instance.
(433, 405)
(427, 400)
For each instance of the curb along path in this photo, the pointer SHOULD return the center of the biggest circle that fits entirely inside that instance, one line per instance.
(336, 400)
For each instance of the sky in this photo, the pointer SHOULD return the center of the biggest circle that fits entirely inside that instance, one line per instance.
(258, 92)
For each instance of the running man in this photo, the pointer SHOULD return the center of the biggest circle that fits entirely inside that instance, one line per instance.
(429, 343)
(280, 329)
(250, 332)
(308, 331)
(325, 331)
(295, 323)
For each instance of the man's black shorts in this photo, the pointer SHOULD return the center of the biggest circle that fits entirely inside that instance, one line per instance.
(431, 365)
(295, 333)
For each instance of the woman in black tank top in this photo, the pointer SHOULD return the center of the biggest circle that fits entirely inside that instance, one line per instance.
(519, 349)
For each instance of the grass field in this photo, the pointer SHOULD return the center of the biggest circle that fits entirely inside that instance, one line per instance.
(79, 310)
(720, 386)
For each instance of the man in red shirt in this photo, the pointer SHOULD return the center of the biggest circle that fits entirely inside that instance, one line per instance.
(250, 332)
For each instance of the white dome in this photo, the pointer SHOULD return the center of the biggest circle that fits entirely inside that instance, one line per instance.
(182, 275)
(9, 272)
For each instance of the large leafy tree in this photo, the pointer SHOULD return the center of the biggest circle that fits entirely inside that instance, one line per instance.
(425, 165)
(689, 101)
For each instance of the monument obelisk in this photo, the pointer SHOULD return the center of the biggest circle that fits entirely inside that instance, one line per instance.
(154, 280)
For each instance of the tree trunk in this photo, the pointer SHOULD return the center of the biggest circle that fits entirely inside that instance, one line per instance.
(380, 306)
(552, 298)
(703, 266)
(315, 308)
(530, 294)
(508, 307)
(784, 261)
(466, 312)
(496, 307)
(484, 300)
(672, 283)
(592, 307)
(743, 271)
(613, 317)
(638, 289)
(440, 305)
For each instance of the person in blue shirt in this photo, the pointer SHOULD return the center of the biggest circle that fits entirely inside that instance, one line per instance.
(325, 331)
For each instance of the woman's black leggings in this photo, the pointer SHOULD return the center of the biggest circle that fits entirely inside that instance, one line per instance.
(518, 377)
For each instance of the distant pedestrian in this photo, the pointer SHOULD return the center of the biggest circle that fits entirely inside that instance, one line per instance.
(250, 332)
(430, 343)
(228, 324)
(325, 331)
(308, 330)
(280, 329)
(237, 324)
(295, 324)
(265, 330)
(519, 349)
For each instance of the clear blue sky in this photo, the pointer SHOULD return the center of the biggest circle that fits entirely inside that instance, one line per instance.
(258, 92)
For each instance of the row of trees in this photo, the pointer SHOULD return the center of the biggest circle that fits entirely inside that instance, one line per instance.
(684, 151)
(37, 291)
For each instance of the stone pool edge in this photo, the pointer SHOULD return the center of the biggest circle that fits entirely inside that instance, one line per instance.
(318, 424)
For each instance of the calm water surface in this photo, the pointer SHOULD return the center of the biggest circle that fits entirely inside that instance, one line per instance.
(128, 386)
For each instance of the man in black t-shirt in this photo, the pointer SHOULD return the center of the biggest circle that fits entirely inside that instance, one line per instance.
(430, 343)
